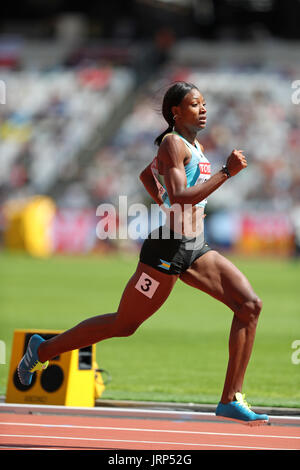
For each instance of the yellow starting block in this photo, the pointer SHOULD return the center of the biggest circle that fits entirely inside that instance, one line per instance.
(71, 379)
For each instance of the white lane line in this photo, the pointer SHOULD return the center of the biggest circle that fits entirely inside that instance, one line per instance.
(130, 412)
(127, 441)
(170, 431)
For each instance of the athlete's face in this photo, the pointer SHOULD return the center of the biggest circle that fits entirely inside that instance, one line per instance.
(192, 111)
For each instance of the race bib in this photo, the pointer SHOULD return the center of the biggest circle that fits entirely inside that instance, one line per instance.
(147, 285)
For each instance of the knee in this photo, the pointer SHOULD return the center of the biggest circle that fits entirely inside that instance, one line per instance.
(251, 309)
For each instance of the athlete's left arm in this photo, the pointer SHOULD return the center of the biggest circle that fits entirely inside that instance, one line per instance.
(151, 187)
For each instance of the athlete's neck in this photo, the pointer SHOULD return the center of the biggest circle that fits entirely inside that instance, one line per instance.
(187, 134)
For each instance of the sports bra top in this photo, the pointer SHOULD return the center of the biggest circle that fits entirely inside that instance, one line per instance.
(197, 171)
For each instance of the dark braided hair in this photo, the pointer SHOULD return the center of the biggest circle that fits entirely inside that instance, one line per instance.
(173, 97)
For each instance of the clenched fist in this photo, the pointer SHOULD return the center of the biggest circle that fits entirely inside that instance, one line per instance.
(236, 162)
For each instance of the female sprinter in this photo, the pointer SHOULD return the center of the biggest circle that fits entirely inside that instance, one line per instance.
(179, 181)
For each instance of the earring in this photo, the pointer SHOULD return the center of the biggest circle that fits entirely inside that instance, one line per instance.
(174, 119)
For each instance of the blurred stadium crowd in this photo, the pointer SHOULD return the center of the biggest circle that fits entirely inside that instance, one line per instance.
(49, 117)
(81, 130)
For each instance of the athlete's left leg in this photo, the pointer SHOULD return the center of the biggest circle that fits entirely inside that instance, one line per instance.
(138, 302)
(144, 294)
(217, 276)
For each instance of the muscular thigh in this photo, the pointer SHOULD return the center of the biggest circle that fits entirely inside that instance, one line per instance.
(217, 276)
(144, 294)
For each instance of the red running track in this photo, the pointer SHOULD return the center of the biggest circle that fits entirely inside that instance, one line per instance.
(69, 432)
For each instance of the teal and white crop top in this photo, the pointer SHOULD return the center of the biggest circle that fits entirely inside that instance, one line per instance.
(197, 171)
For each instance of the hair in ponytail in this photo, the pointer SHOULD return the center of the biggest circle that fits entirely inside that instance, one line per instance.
(159, 139)
(173, 97)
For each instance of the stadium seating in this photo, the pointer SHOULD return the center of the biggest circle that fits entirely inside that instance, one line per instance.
(49, 117)
(249, 109)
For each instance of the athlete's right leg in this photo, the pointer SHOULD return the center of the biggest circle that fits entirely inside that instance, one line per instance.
(144, 294)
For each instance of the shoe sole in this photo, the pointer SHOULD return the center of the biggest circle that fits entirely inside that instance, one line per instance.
(257, 422)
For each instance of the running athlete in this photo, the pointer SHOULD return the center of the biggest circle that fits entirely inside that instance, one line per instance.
(179, 180)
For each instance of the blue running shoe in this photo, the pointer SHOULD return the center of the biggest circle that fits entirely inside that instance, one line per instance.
(30, 361)
(239, 410)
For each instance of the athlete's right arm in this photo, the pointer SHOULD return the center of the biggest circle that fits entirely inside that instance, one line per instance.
(172, 153)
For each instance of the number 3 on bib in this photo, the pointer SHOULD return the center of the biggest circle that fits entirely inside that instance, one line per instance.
(147, 285)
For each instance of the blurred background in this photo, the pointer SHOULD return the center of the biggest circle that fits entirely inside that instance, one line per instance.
(81, 86)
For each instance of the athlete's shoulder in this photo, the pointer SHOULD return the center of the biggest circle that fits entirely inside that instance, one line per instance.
(172, 143)
(171, 138)
(172, 150)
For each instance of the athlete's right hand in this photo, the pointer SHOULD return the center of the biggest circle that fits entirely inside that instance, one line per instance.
(236, 162)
